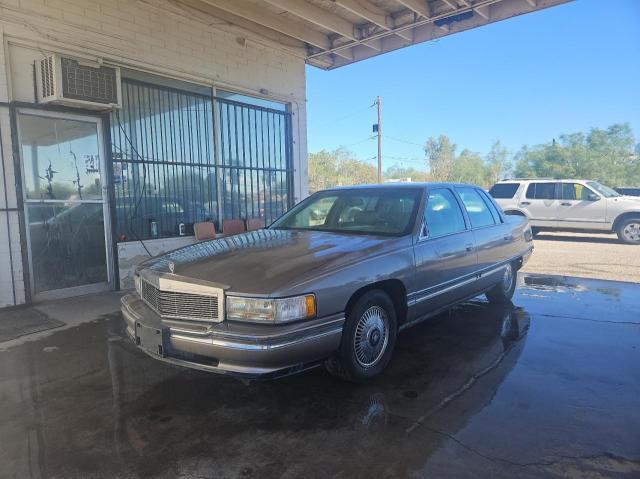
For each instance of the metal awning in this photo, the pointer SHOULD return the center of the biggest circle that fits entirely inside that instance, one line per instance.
(333, 33)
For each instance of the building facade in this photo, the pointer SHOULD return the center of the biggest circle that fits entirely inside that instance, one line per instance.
(210, 126)
(173, 112)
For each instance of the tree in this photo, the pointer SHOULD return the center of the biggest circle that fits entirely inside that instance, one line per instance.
(323, 169)
(355, 172)
(440, 154)
(498, 164)
(468, 167)
(338, 167)
(604, 155)
(399, 172)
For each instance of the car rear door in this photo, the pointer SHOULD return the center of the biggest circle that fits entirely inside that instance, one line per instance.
(493, 238)
(445, 254)
(581, 207)
(540, 203)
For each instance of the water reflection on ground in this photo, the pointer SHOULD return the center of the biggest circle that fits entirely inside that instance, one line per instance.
(480, 391)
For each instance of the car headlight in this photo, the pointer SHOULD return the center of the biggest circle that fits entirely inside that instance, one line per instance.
(138, 283)
(279, 310)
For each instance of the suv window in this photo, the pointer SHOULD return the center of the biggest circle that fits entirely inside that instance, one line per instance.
(628, 191)
(541, 191)
(476, 207)
(574, 191)
(504, 190)
(442, 214)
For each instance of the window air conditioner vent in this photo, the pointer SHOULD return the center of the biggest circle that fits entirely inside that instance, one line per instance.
(71, 82)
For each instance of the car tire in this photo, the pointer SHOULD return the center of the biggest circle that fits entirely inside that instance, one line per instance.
(628, 231)
(502, 292)
(368, 338)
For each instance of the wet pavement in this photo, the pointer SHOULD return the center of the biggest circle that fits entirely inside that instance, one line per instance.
(547, 388)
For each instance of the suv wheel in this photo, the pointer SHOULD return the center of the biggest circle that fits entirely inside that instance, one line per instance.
(368, 338)
(629, 231)
(502, 292)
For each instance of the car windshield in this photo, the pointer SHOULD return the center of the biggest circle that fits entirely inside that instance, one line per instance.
(603, 190)
(375, 211)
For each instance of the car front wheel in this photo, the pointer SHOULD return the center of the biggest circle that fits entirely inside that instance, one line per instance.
(502, 292)
(368, 338)
(629, 231)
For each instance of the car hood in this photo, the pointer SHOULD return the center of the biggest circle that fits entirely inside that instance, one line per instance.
(268, 261)
(628, 199)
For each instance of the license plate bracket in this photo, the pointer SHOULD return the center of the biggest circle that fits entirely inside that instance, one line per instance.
(150, 339)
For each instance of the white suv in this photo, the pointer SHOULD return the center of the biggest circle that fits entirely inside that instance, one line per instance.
(570, 205)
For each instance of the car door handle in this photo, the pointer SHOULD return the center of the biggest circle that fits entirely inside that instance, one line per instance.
(525, 203)
(564, 203)
(469, 247)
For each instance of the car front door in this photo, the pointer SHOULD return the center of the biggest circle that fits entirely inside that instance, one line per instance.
(581, 207)
(540, 203)
(445, 254)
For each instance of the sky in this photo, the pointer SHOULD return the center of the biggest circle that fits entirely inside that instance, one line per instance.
(525, 80)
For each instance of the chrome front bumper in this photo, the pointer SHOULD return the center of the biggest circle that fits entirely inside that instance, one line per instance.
(246, 350)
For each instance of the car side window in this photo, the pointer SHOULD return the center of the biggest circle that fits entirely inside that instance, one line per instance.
(476, 207)
(575, 191)
(504, 190)
(492, 206)
(541, 191)
(442, 214)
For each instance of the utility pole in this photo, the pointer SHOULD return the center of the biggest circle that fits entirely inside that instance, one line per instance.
(379, 129)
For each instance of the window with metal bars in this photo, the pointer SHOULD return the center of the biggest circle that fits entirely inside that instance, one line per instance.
(181, 157)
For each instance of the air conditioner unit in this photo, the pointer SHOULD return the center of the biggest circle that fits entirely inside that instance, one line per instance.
(77, 83)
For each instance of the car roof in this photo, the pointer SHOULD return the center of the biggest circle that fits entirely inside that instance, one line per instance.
(544, 180)
(399, 185)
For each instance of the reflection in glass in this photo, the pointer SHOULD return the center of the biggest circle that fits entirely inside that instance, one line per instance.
(61, 158)
(164, 167)
(67, 244)
(255, 163)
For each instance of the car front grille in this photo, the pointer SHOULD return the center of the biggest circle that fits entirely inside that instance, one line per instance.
(178, 305)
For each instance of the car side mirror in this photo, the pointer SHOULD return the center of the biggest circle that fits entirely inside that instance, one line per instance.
(592, 197)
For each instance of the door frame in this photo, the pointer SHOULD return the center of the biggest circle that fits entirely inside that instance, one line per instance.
(80, 116)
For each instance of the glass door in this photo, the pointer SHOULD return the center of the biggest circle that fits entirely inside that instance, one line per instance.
(66, 204)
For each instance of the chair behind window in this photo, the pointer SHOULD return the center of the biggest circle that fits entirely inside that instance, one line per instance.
(254, 224)
(233, 226)
(204, 230)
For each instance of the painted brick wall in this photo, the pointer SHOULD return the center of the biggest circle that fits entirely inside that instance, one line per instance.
(158, 36)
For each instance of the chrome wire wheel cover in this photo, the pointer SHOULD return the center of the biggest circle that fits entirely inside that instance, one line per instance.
(507, 278)
(371, 336)
(632, 231)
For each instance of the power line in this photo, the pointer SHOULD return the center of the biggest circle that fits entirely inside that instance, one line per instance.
(403, 141)
(346, 117)
(358, 142)
(403, 158)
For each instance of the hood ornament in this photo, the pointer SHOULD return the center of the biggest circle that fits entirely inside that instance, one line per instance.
(172, 267)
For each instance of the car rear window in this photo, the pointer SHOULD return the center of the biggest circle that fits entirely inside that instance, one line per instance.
(478, 211)
(504, 190)
(541, 191)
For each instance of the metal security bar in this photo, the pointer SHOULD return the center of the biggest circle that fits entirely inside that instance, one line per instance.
(165, 172)
(255, 168)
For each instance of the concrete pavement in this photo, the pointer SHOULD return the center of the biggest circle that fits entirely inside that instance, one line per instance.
(547, 388)
(587, 255)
